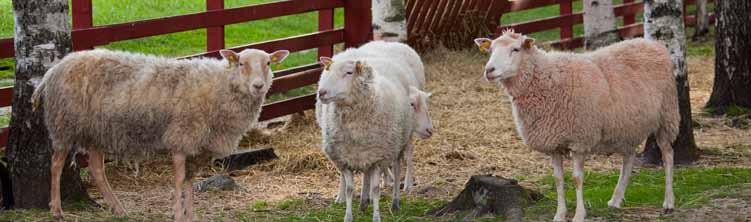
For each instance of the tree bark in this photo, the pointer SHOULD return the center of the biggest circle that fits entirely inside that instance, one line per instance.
(664, 22)
(599, 23)
(389, 20)
(732, 83)
(42, 37)
(702, 20)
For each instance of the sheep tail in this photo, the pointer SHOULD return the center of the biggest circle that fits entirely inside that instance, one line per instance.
(36, 97)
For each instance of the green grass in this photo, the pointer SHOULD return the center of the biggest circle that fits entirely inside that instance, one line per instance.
(693, 188)
(189, 42)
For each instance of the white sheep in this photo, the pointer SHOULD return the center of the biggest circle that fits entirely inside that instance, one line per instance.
(133, 105)
(366, 123)
(395, 54)
(606, 101)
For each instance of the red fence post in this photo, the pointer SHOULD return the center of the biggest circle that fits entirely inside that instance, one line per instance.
(357, 22)
(628, 19)
(566, 8)
(214, 35)
(326, 22)
(82, 18)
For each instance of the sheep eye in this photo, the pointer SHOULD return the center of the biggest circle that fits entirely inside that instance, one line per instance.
(240, 64)
(412, 104)
(349, 73)
(516, 50)
(268, 63)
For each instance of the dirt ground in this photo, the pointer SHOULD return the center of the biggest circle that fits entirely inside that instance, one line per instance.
(475, 134)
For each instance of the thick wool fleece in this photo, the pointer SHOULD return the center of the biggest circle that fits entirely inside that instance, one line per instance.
(134, 105)
(604, 101)
(372, 129)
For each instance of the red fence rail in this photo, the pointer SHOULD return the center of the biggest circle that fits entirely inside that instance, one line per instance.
(356, 31)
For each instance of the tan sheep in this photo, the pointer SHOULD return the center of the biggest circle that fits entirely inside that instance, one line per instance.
(601, 102)
(133, 105)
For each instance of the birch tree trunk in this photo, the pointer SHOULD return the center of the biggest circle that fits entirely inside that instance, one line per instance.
(732, 82)
(702, 20)
(664, 22)
(389, 20)
(42, 36)
(599, 23)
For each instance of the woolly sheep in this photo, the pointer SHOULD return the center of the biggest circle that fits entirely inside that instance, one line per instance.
(134, 105)
(606, 101)
(366, 123)
(395, 54)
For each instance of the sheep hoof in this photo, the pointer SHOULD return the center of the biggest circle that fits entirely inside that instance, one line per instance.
(57, 217)
(364, 206)
(668, 211)
(613, 204)
(395, 206)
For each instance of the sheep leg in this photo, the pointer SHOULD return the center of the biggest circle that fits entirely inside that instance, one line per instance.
(350, 188)
(375, 192)
(178, 166)
(56, 169)
(408, 178)
(188, 202)
(620, 189)
(395, 202)
(342, 185)
(388, 177)
(581, 212)
(365, 192)
(560, 213)
(96, 164)
(667, 161)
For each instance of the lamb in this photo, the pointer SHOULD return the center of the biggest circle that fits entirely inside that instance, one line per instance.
(366, 123)
(133, 106)
(601, 102)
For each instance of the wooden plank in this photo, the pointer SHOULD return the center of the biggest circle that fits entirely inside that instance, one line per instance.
(413, 18)
(630, 31)
(288, 82)
(544, 24)
(358, 25)
(6, 48)
(293, 44)
(451, 16)
(296, 69)
(326, 22)
(426, 16)
(4, 132)
(81, 13)
(6, 96)
(214, 35)
(410, 5)
(529, 4)
(435, 21)
(629, 19)
(286, 107)
(566, 8)
(628, 9)
(102, 35)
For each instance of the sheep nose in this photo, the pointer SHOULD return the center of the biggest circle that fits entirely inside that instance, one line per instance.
(489, 70)
(322, 93)
(258, 85)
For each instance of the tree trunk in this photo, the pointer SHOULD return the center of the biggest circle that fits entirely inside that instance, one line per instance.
(732, 83)
(702, 20)
(664, 22)
(599, 23)
(389, 20)
(42, 36)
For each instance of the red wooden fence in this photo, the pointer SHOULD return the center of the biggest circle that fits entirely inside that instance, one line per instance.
(357, 30)
(428, 18)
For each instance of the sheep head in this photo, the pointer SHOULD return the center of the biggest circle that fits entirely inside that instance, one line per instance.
(507, 52)
(253, 68)
(419, 102)
(340, 78)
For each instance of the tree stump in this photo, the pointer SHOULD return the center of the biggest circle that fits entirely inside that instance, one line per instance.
(487, 194)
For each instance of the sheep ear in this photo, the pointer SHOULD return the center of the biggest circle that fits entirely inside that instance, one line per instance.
(279, 56)
(230, 56)
(528, 43)
(483, 44)
(359, 67)
(325, 62)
